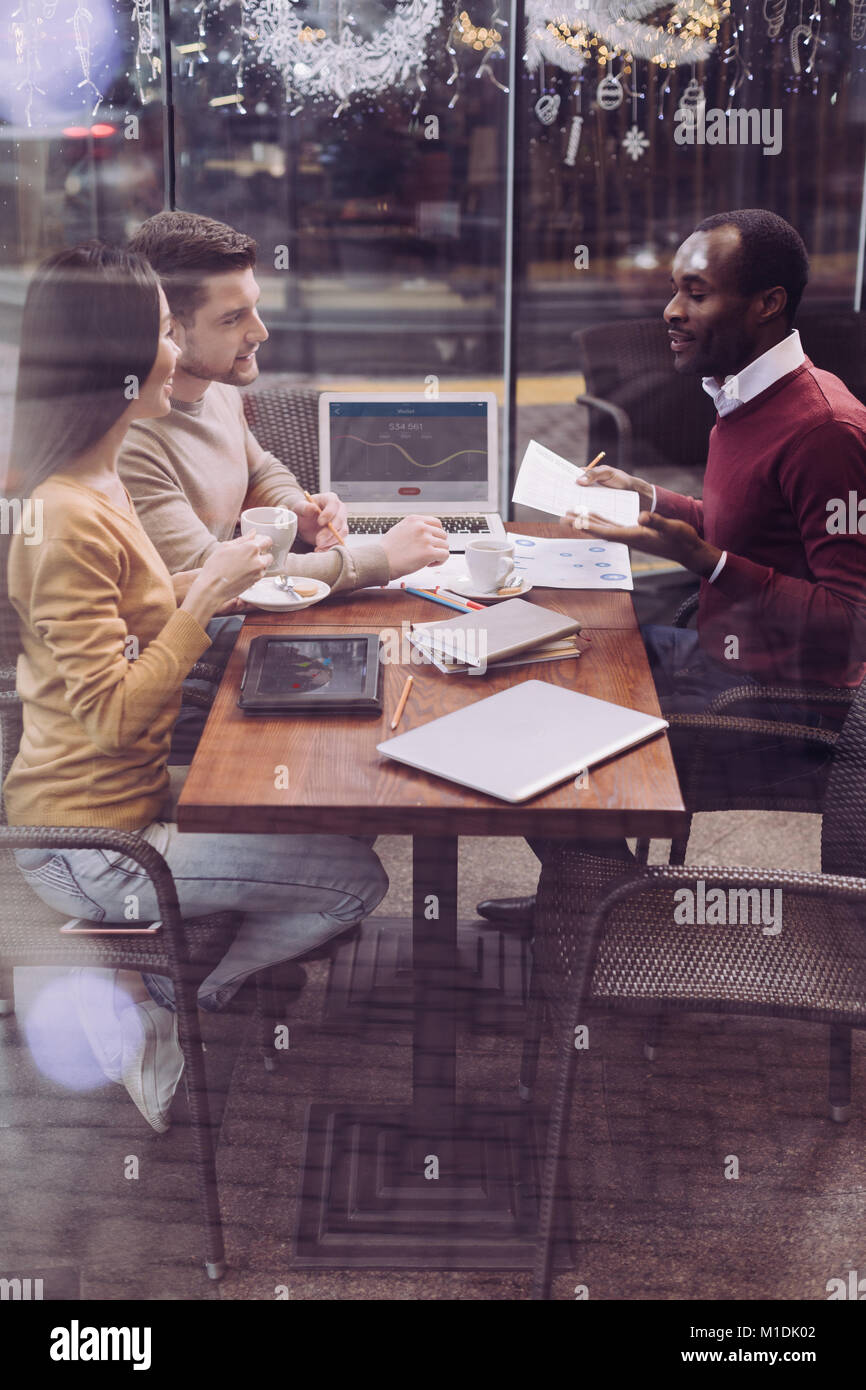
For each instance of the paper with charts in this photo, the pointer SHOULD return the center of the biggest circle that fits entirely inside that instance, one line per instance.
(548, 482)
(578, 564)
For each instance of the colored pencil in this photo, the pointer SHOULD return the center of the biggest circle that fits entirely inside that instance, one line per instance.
(331, 527)
(434, 598)
(458, 598)
(598, 458)
(410, 681)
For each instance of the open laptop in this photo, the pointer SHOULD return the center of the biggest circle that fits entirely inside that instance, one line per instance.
(389, 455)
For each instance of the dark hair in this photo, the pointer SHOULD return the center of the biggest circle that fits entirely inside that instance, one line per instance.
(771, 252)
(89, 337)
(184, 249)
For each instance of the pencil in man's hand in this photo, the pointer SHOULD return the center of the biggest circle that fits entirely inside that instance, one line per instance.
(410, 681)
(331, 527)
(598, 458)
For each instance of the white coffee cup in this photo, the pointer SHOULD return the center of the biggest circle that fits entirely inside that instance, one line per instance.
(280, 523)
(489, 562)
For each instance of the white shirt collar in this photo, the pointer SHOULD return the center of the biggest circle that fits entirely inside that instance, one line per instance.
(767, 369)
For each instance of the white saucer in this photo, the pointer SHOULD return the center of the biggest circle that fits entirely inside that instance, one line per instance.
(467, 587)
(265, 594)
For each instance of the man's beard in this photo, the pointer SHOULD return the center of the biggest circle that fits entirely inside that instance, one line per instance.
(193, 366)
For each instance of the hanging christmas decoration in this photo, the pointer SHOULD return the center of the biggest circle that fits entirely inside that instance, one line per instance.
(693, 97)
(314, 64)
(635, 143)
(740, 72)
(485, 39)
(800, 33)
(602, 29)
(609, 93)
(142, 12)
(81, 22)
(26, 35)
(546, 109)
(774, 16)
(575, 128)
(573, 140)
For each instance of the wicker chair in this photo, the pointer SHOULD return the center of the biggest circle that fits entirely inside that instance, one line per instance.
(716, 728)
(605, 938)
(185, 950)
(285, 421)
(651, 421)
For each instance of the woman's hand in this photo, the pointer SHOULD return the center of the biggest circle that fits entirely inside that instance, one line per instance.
(182, 582)
(233, 567)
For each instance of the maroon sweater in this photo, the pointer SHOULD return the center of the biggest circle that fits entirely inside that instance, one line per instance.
(791, 591)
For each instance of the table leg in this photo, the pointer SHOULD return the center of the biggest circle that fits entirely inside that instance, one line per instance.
(434, 1184)
(434, 960)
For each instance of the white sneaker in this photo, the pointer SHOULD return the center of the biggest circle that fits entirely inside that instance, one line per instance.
(152, 1060)
(98, 1006)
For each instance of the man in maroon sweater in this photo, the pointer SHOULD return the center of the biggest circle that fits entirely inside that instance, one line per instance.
(779, 548)
(779, 540)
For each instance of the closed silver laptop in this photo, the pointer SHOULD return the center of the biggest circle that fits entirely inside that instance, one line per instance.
(522, 741)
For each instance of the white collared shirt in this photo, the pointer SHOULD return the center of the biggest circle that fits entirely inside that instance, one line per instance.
(744, 386)
(767, 369)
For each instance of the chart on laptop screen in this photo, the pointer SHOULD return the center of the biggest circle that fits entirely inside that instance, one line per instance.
(397, 451)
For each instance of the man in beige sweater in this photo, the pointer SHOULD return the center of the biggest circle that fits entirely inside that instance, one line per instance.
(192, 472)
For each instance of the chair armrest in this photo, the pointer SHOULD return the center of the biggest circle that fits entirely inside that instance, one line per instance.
(723, 724)
(621, 422)
(122, 842)
(784, 694)
(834, 887)
(840, 888)
(686, 609)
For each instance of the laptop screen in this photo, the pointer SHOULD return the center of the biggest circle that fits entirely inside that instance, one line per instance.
(409, 452)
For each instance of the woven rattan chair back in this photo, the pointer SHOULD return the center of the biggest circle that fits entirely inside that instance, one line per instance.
(285, 421)
(843, 828)
(629, 364)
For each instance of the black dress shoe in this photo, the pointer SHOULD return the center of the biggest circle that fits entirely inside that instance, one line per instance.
(508, 912)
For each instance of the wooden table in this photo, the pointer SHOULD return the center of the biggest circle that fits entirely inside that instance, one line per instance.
(365, 1199)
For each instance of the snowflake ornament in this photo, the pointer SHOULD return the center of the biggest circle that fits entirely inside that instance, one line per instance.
(635, 143)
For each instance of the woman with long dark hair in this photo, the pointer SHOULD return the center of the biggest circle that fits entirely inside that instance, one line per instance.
(107, 637)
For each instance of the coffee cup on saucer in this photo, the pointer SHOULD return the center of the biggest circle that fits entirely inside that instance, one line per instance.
(280, 523)
(489, 562)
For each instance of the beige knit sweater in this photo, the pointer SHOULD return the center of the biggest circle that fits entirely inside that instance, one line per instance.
(105, 650)
(192, 472)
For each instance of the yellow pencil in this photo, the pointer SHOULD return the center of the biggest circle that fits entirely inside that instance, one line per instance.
(598, 458)
(410, 681)
(331, 527)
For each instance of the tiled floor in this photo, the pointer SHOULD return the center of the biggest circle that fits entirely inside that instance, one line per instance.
(654, 1213)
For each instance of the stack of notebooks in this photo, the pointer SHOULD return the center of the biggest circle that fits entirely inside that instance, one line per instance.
(513, 633)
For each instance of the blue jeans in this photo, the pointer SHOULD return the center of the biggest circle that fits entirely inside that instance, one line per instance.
(190, 722)
(295, 891)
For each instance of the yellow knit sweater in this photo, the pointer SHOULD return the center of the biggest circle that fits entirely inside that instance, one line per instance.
(104, 652)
